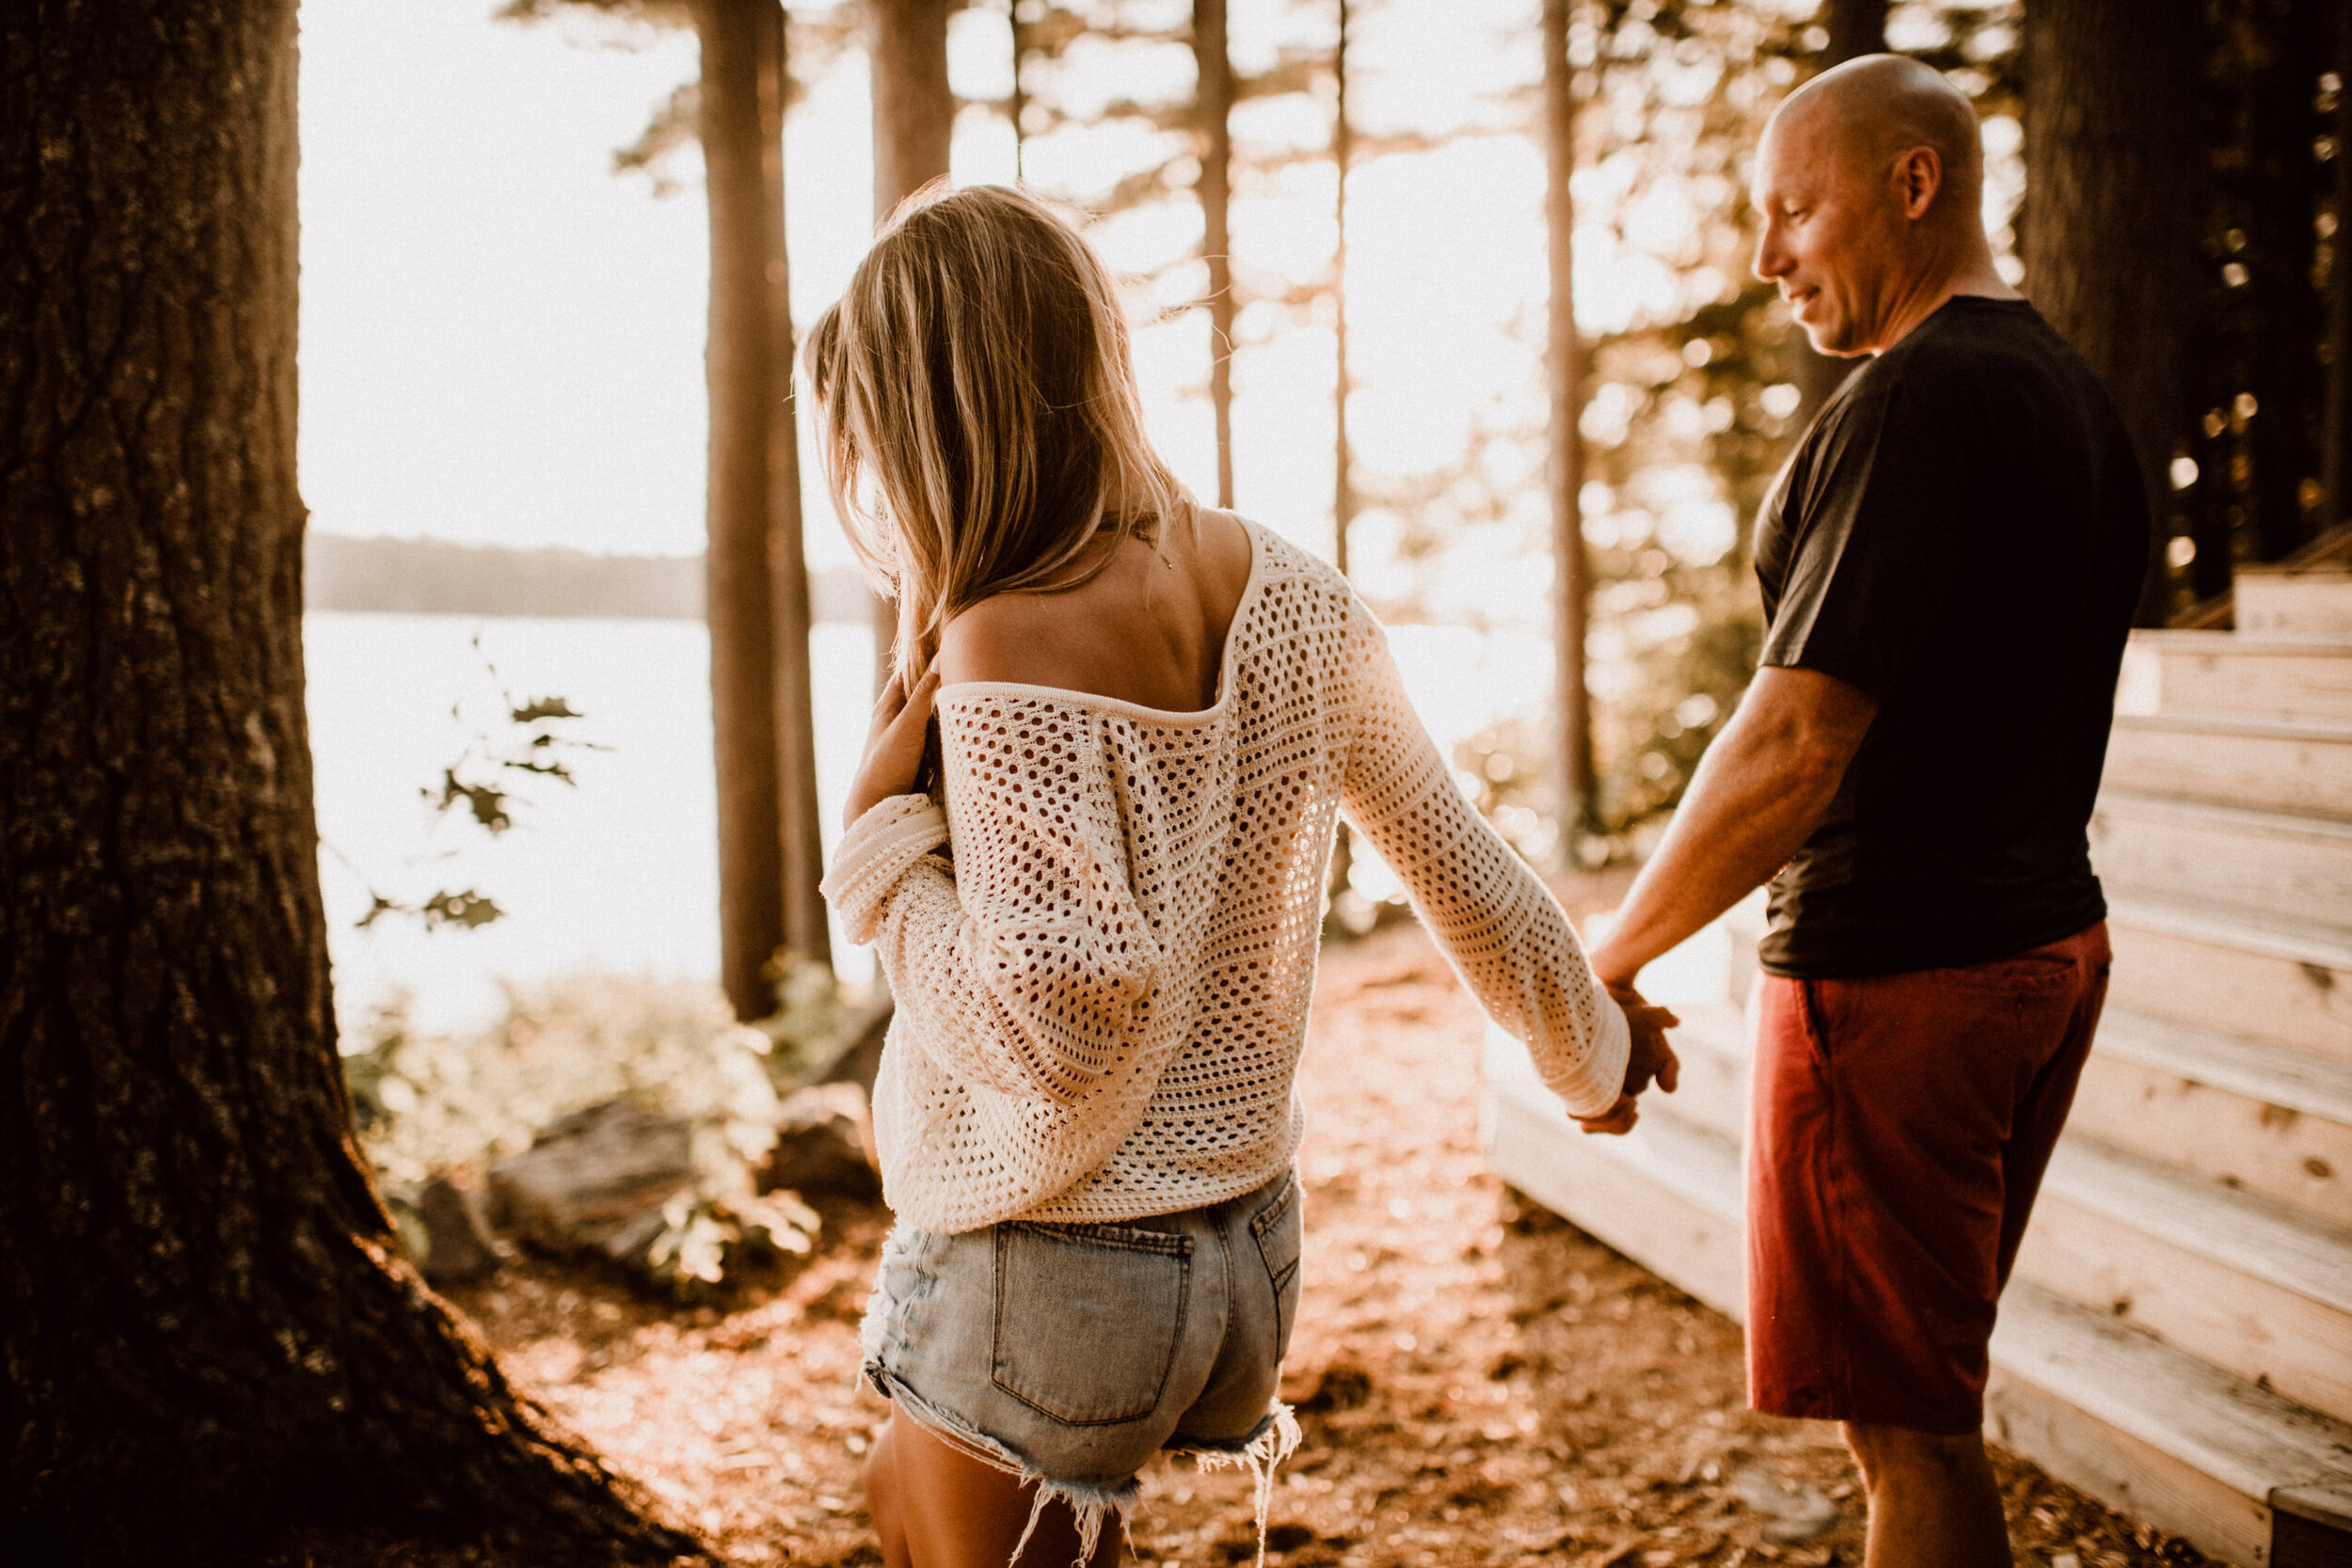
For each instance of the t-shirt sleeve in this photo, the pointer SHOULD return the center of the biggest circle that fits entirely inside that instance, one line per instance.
(1880, 540)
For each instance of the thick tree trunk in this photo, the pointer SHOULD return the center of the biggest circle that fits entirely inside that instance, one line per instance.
(1565, 360)
(915, 126)
(746, 235)
(1215, 105)
(806, 932)
(1856, 29)
(207, 1333)
(2109, 165)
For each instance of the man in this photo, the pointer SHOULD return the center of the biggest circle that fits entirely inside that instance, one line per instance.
(1948, 564)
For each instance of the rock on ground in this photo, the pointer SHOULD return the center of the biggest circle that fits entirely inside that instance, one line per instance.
(595, 1182)
(824, 1146)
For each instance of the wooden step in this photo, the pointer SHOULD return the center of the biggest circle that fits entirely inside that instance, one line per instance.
(1712, 1093)
(2224, 857)
(2294, 607)
(2298, 766)
(2245, 1112)
(1666, 1194)
(2242, 1473)
(2228, 1278)
(2233, 973)
(2220, 672)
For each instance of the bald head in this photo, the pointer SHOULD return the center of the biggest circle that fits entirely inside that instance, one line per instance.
(1869, 112)
(1870, 184)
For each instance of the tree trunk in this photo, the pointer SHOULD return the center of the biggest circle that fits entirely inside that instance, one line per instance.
(1342, 454)
(1214, 105)
(743, 375)
(914, 125)
(1856, 29)
(2336, 448)
(206, 1331)
(806, 932)
(1565, 362)
(2109, 165)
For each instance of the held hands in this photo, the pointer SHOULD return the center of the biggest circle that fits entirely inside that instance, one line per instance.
(894, 746)
(1651, 1058)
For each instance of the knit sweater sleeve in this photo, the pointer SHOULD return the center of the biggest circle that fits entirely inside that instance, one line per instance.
(1025, 967)
(1491, 915)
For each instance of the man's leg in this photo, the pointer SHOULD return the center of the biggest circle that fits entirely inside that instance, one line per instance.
(1934, 1501)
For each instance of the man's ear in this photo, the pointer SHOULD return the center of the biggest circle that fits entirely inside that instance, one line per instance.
(1919, 179)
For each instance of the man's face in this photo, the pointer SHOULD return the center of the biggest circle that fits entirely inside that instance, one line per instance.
(1832, 235)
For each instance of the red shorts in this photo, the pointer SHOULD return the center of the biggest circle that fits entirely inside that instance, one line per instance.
(1899, 1126)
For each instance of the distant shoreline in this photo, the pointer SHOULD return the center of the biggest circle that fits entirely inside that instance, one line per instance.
(434, 577)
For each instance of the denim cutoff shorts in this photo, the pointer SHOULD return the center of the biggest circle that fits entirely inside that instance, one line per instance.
(1068, 1354)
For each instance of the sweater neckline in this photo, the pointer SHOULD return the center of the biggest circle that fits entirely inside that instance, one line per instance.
(953, 690)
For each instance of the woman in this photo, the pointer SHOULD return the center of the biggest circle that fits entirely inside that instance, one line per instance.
(1149, 715)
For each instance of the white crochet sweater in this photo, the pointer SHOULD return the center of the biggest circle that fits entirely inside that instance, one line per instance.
(1101, 1003)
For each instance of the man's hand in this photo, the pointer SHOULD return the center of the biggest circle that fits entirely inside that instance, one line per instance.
(1650, 1059)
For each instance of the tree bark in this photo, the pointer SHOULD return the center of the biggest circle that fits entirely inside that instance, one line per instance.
(1215, 103)
(1565, 362)
(2109, 165)
(806, 931)
(914, 125)
(206, 1331)
(1856, 29)
(744, 384)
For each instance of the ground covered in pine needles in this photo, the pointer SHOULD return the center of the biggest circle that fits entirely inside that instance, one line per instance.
(1479, 1382)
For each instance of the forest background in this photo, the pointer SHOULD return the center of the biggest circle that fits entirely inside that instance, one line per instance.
(216, 1325)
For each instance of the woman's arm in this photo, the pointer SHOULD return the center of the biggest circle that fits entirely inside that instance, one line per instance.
(1025, 968)
(1492, 916)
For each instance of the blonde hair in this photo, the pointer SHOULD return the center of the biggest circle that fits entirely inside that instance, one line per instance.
(977, 410)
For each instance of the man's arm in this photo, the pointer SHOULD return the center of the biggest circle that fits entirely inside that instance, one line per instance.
(1758, 795)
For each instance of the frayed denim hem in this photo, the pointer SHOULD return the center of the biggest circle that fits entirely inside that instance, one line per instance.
(1095, 1503)
(1275, 1439)
(1092, 1502)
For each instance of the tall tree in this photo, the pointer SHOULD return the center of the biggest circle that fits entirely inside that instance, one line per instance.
(915, 127)
(757, 563)
(1564, 366)
(1342, 454)
(207, 1329)
(1853, 28)
(747, 369)
(763, 727)
(1213, 105)
(2108, 259)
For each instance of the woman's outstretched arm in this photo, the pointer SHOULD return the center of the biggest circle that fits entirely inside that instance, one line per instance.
(1488, 912)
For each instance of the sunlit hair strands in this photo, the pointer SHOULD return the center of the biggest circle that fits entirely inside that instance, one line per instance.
(977, 410)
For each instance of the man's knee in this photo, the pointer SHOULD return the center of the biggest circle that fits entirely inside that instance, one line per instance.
(1888, 1452)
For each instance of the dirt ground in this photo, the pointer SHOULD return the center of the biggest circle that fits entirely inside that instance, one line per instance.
(1478, 1382)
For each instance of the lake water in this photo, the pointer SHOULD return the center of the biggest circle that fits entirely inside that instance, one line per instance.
(619, 873)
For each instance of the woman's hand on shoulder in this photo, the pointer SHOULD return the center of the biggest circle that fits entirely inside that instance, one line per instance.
(894, 746)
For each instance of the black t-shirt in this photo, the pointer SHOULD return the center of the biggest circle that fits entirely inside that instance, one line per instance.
(1961, 534)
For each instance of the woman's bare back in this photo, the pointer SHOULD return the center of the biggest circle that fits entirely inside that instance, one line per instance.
(1149, 629)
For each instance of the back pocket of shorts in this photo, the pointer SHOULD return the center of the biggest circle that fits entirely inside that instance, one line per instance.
(1089, 1318)
(1277, 1230)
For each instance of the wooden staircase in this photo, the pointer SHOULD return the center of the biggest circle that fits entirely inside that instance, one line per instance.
(2178, 1338)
